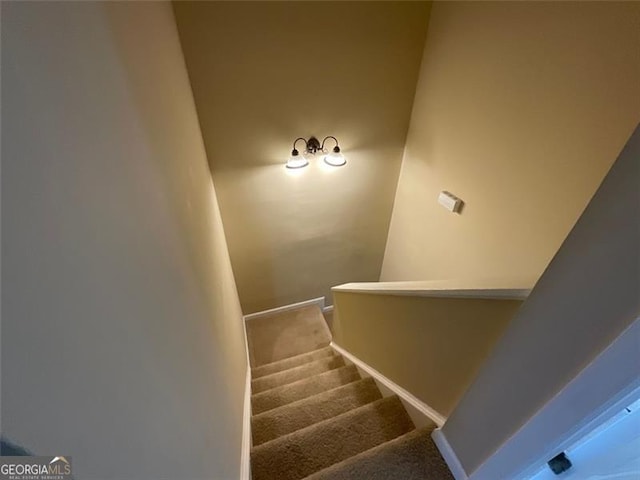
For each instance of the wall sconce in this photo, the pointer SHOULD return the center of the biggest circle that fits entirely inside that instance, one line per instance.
(312, 146)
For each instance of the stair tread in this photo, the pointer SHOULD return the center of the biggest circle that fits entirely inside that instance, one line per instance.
(285, 334)
(302, 413)
(285, 394)
(292, 362)
(311, 449)
(296, 373)
(412, 456)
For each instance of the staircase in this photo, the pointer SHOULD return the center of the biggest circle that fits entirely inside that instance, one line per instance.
(314, 417)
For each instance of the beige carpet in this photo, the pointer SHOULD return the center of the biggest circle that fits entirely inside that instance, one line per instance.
(294, 416)
(291, 362)
(279, 396)
(296, 373)
(412, 456)
(282, 335)
(315, 418)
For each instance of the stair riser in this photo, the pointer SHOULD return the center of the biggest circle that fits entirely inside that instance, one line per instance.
(292, 362)
(289, 418)
(412, 456)
(299, 454)
(295, 374)
(277, 397)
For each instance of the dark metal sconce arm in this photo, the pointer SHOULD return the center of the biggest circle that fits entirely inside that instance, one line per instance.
(336, 148)
(295, 152)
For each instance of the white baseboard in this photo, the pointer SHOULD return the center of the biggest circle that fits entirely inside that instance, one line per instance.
(245, 448)
(245, 453)
(449, 455)
(314, 301)
(413, 405)
(328, 309)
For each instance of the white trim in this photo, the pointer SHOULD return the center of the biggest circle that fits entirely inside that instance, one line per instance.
(328, 309)
(314, 301)
(433, 289)
(245, 448)
(245, 452)
(600, 387)
(417, 404)
(449, 455)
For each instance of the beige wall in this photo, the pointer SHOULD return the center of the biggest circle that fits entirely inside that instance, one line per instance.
(582, 302)
(520, 110)
(432, 347)
(122, 343)
(264, 73)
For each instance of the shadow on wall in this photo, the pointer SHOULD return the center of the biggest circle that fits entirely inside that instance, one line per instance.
(310, 239)
(9, 449)
(433, 347)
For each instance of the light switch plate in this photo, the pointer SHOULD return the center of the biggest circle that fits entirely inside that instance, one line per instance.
(449, 201)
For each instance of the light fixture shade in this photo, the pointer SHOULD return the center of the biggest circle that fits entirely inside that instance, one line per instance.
(297, 161)
(335, 159)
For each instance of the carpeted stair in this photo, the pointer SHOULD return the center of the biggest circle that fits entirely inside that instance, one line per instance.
(296, 373)
(412, 456)
(314, 417)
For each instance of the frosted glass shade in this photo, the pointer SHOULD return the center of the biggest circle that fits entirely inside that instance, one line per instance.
(335, 159)
(297, 161)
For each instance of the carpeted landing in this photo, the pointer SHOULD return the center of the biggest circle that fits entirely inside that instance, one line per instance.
(315, 418)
